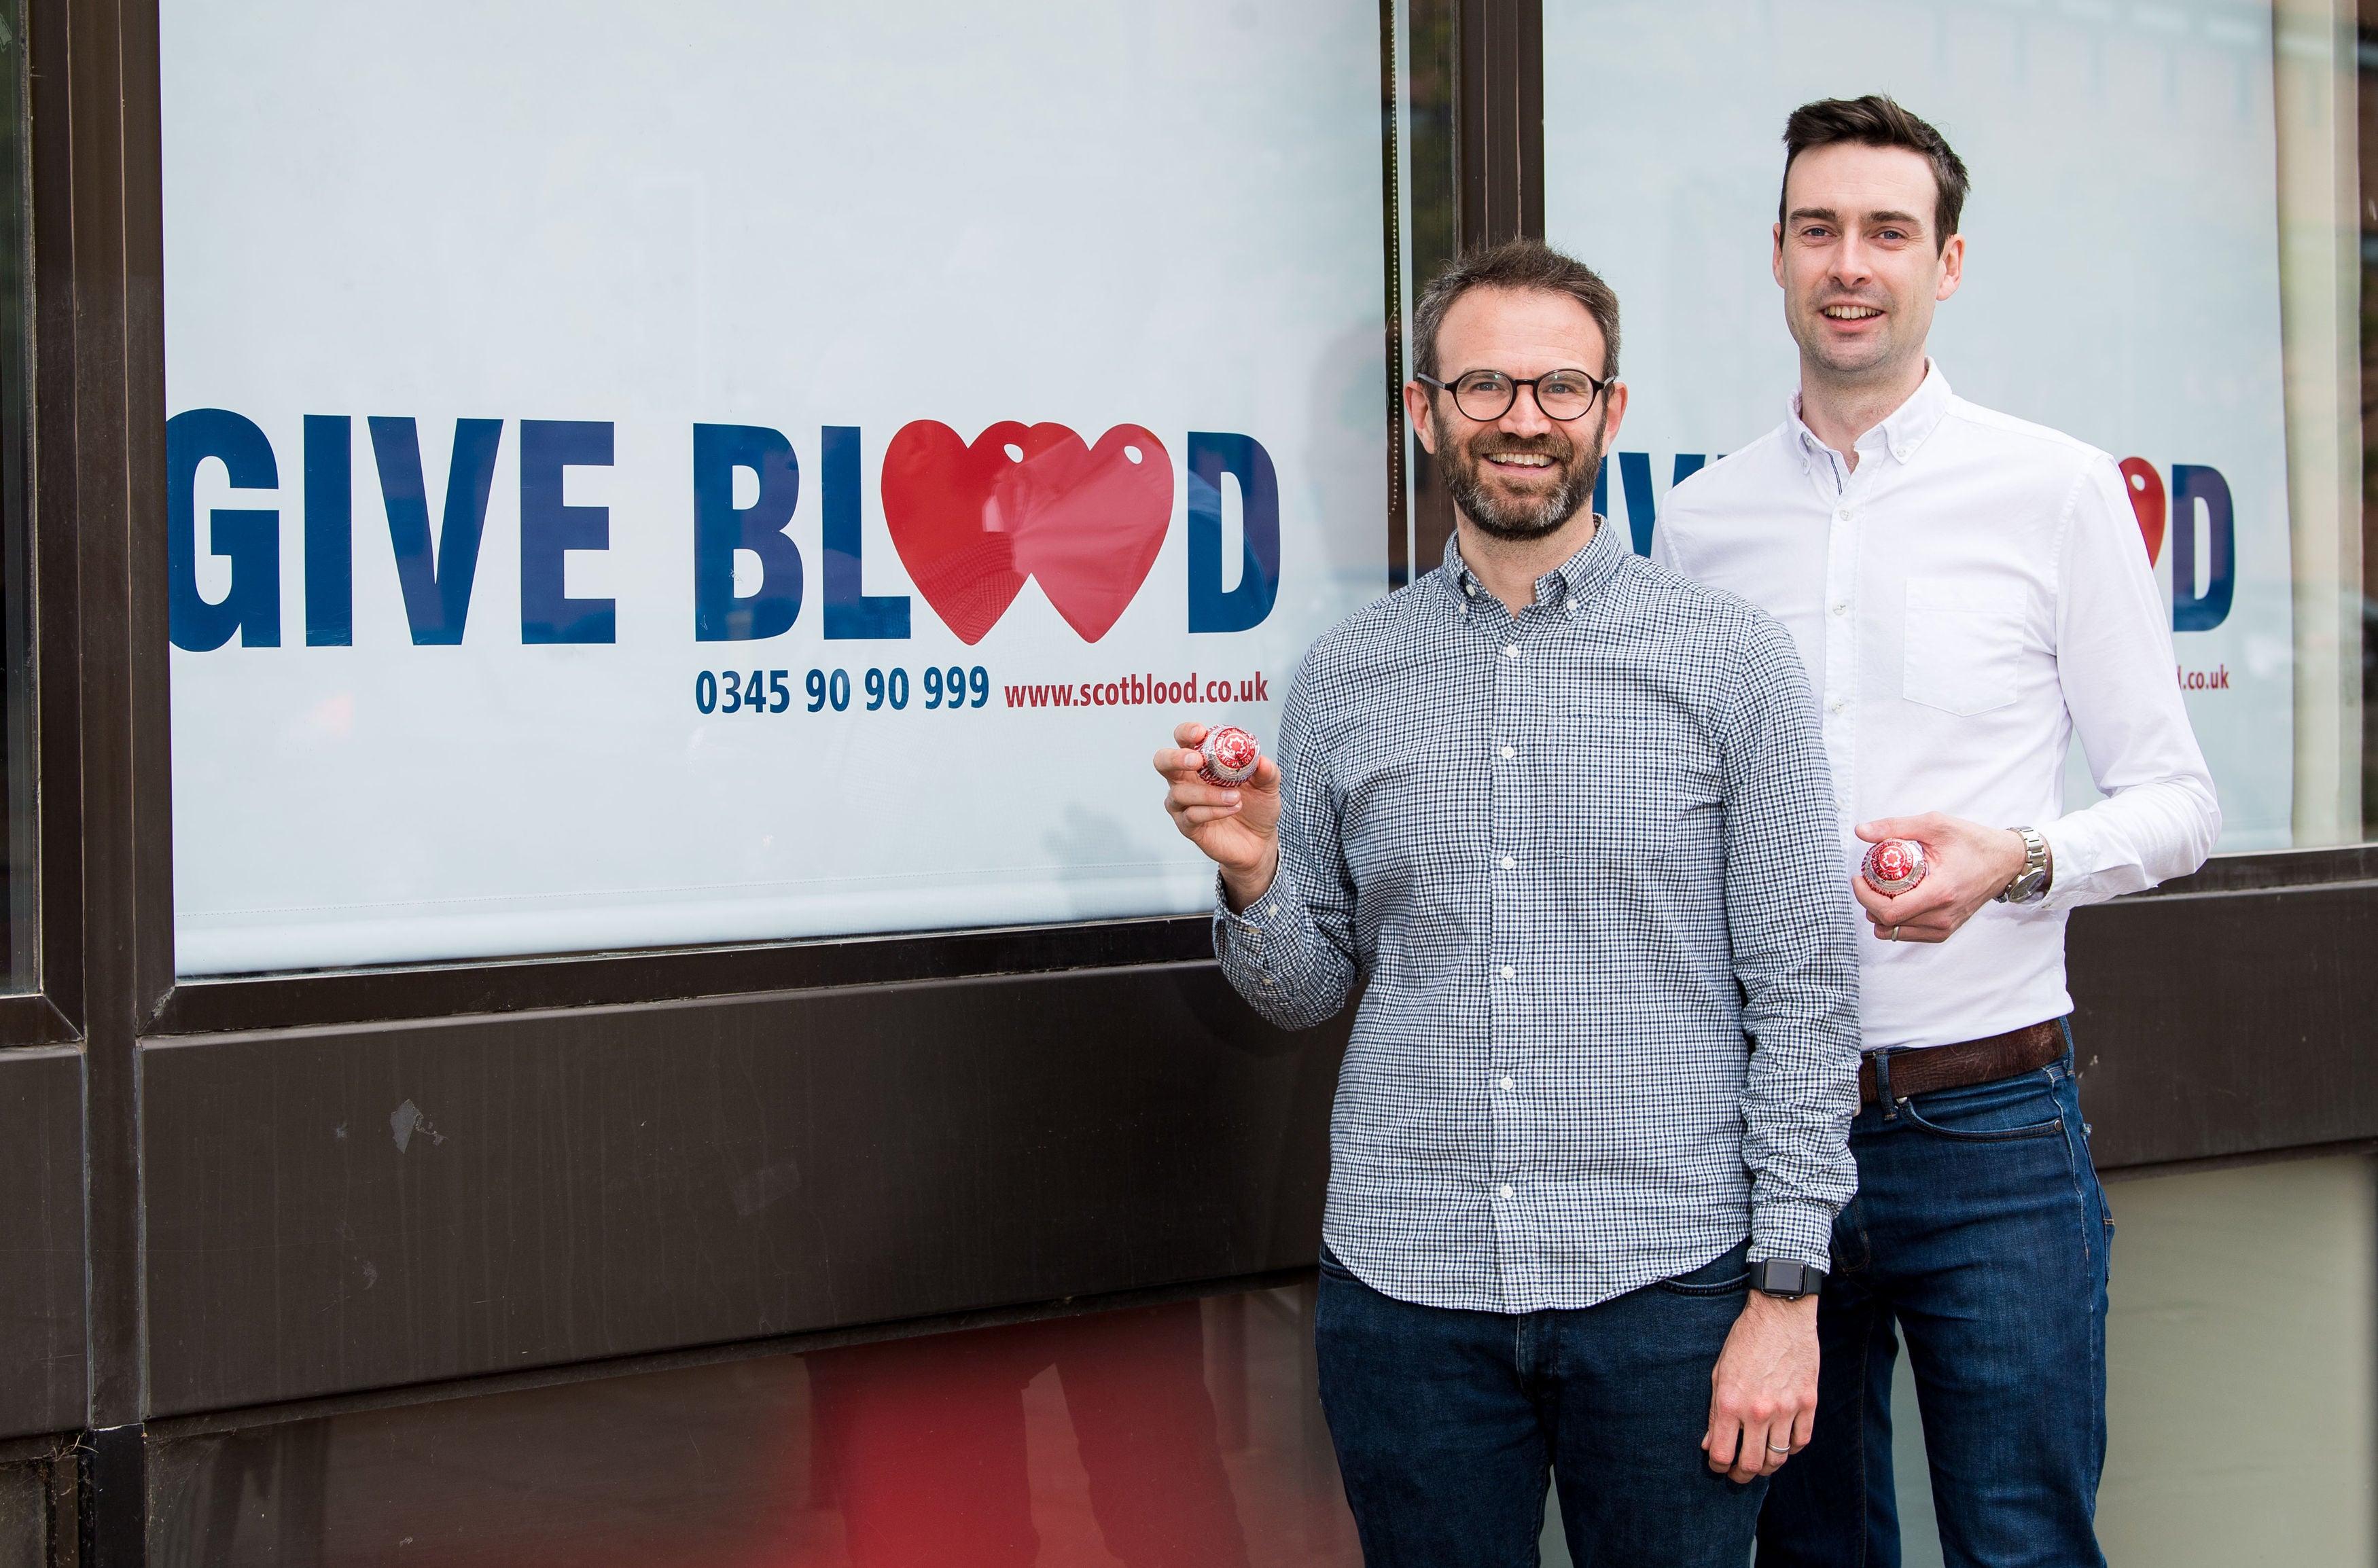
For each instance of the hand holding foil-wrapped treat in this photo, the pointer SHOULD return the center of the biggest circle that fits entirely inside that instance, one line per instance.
(1894, 866)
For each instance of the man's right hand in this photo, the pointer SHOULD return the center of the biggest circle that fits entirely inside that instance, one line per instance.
(1236, 825)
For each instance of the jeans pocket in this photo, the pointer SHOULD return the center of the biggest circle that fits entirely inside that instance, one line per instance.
(1989, 1113)
(1728, 1274)
(1331, 1265)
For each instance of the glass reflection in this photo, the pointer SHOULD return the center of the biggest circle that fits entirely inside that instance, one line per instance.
(1180, 1434)
(925, 1446)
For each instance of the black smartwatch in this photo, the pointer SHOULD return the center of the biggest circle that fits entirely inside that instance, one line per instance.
(1786, 1277)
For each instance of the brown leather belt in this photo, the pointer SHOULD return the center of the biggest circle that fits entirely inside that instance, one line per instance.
(1920, 1070)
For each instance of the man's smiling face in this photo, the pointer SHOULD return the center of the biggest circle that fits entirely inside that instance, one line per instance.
(1860, 260)
(1523, 475)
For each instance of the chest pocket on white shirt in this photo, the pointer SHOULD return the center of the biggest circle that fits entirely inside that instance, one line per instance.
(1963, 640)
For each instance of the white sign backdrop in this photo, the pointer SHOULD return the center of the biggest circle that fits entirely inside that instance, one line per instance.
(593, 228)
(2121, 275)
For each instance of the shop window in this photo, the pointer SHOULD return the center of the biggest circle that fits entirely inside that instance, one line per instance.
(2162, 261)
(778, 475)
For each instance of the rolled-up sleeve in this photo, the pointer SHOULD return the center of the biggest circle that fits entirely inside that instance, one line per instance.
(1795, 955)
(1291, 953)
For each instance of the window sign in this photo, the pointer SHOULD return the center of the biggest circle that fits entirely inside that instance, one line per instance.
(2121, 277)
(644, 476)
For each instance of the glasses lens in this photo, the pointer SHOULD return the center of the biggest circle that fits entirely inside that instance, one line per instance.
(1565, 394)
(1482, 394)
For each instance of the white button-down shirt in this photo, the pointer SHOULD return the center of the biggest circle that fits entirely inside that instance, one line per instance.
(1967, 599)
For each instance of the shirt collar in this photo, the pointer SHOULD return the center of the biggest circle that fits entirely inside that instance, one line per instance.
(1899, 434)
(1576, 580)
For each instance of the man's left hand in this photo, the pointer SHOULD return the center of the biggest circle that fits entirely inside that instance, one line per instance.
(1763, 1394)
(1966, 865)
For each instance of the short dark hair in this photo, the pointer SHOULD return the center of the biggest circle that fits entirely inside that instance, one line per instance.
(1516, 264)
(1877, 121)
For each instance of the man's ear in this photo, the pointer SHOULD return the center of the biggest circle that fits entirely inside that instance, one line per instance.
(1614, 400)
(1952, 267)
(1775, 262)
(1417, 411)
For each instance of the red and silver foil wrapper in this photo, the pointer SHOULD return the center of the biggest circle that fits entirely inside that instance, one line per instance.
(1894, 866)
(1231, 755)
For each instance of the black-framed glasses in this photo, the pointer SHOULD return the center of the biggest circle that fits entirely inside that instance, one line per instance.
(1487, 395)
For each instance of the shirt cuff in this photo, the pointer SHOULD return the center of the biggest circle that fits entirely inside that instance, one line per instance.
(2074, 857)
(1258, 935)
(1797, 1228)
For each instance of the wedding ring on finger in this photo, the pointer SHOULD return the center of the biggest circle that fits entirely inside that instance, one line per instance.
(1773, 1449)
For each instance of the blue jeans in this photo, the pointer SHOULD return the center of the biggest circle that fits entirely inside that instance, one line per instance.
(1446, 1422)
(1979, 1228)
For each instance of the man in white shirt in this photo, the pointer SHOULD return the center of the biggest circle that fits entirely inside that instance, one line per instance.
(1969, 592)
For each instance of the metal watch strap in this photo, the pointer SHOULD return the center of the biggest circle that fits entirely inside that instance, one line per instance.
(1788, 1278)
(2031, 882)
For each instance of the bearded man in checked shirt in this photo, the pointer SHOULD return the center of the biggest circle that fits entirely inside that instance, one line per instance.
(1969, 592)
(1562, 815)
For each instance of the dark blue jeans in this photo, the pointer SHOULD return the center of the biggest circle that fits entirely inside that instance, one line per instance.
(1446, 1422)
(1978, 1227)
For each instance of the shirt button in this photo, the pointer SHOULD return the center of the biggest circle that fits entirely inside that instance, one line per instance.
(1506, 1188)
(1509, 754)
(1509, 864)
(1511, 652)
(1840, 706)
(1507, 1081)
(1508, 971)
(1841, 609)
(1471, 589)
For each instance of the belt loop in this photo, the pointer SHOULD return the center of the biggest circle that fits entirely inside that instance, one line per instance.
(1883, 1084)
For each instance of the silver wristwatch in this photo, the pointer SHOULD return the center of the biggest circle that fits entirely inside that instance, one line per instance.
(2030, 884)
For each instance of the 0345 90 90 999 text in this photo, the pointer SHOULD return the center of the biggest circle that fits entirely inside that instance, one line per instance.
(951, 688)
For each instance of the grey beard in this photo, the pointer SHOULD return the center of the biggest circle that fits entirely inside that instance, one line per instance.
(1532, 522)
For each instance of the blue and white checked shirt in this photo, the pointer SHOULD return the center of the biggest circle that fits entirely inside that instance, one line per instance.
(1579, 859)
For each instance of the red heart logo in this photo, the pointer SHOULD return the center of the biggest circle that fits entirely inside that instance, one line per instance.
(971, 523)
(2144, 488)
